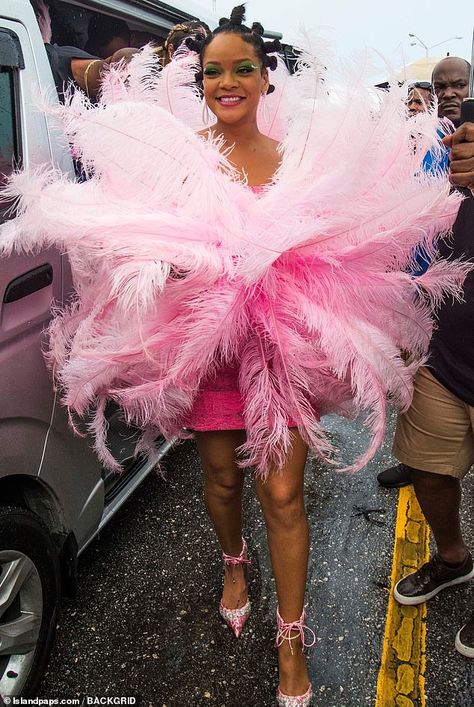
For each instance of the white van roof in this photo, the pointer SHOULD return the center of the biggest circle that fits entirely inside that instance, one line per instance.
(196, 10)
(159, 13)
(148, 13)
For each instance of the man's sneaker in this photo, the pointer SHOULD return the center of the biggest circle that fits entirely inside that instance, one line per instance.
(395, 477)
(465, 639)
(430, 579)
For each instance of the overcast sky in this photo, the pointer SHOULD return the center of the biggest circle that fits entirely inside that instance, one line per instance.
(368, 23)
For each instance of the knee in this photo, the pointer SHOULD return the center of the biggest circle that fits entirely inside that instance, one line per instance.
(284, 507)
(222, 485)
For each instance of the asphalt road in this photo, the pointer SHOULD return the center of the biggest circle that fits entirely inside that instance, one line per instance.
(145, 621)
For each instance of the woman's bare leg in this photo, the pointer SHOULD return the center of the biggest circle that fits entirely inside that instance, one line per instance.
(282, 500)
(223, 485)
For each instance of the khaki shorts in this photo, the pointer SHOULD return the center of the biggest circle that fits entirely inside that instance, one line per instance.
(436, 433)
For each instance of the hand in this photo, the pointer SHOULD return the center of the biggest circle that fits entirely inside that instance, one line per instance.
(461, 169)
(124, 55)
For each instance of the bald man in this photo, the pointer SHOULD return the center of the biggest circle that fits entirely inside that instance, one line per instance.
(450, 81)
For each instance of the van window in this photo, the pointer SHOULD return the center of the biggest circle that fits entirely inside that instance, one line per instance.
(9, 148)
(98, 34)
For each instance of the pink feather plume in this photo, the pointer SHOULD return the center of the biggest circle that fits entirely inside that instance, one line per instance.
(180, 268)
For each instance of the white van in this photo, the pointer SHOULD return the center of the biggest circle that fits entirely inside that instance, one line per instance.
(54, 495)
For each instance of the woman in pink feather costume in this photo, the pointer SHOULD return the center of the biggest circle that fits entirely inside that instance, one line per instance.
(239, 286)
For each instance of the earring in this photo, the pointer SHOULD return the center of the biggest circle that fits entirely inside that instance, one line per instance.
(206, 114)
(265, 111)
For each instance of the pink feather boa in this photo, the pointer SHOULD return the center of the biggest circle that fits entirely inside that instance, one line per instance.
(181, 269)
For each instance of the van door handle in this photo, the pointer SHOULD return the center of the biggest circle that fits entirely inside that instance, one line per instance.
(28, 283)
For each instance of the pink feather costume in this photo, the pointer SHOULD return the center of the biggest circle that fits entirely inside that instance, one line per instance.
(182, 271)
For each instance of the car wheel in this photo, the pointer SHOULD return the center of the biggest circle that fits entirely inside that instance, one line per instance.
(29, 599)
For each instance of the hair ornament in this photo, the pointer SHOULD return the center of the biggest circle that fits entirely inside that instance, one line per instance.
(177, 28)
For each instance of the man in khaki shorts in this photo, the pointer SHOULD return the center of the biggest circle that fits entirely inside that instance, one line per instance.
(450, 84)
(435, 437)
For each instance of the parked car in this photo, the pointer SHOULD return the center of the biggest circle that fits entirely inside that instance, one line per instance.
(54, 495)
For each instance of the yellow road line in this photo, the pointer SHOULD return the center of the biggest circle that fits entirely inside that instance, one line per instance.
(401, 679)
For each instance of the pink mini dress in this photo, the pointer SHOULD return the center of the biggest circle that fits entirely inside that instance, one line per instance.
(219, 404)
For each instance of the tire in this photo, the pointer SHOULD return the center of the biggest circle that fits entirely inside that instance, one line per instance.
(29, 600)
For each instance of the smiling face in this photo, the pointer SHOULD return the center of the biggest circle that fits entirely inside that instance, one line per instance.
(451, 85)
(233, 79)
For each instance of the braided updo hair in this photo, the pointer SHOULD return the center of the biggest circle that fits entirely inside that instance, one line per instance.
(252, 35)
(179, 32)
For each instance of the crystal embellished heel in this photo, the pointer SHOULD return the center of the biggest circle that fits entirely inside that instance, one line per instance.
(289, 632)
(236, 618)
(295, 700)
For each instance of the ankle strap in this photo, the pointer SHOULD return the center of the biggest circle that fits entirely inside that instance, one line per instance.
(285, 630)
(240, 560)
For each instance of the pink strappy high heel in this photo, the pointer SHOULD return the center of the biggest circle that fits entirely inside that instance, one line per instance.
(284, 633)
(236, 618)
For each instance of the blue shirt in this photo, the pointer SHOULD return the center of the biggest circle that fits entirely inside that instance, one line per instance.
(435, 161)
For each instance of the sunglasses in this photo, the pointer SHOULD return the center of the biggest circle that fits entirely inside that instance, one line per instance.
(421, 84)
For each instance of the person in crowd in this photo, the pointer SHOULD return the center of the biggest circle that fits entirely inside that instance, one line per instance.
(451, 85)
(450, 81)
(138, 38)
(71, 64)
(106, 35)
(178, 34)
(420, 97)
(435, 438)
(217, 418)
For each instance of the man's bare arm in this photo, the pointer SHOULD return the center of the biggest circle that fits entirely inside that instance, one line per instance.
(87, 72)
